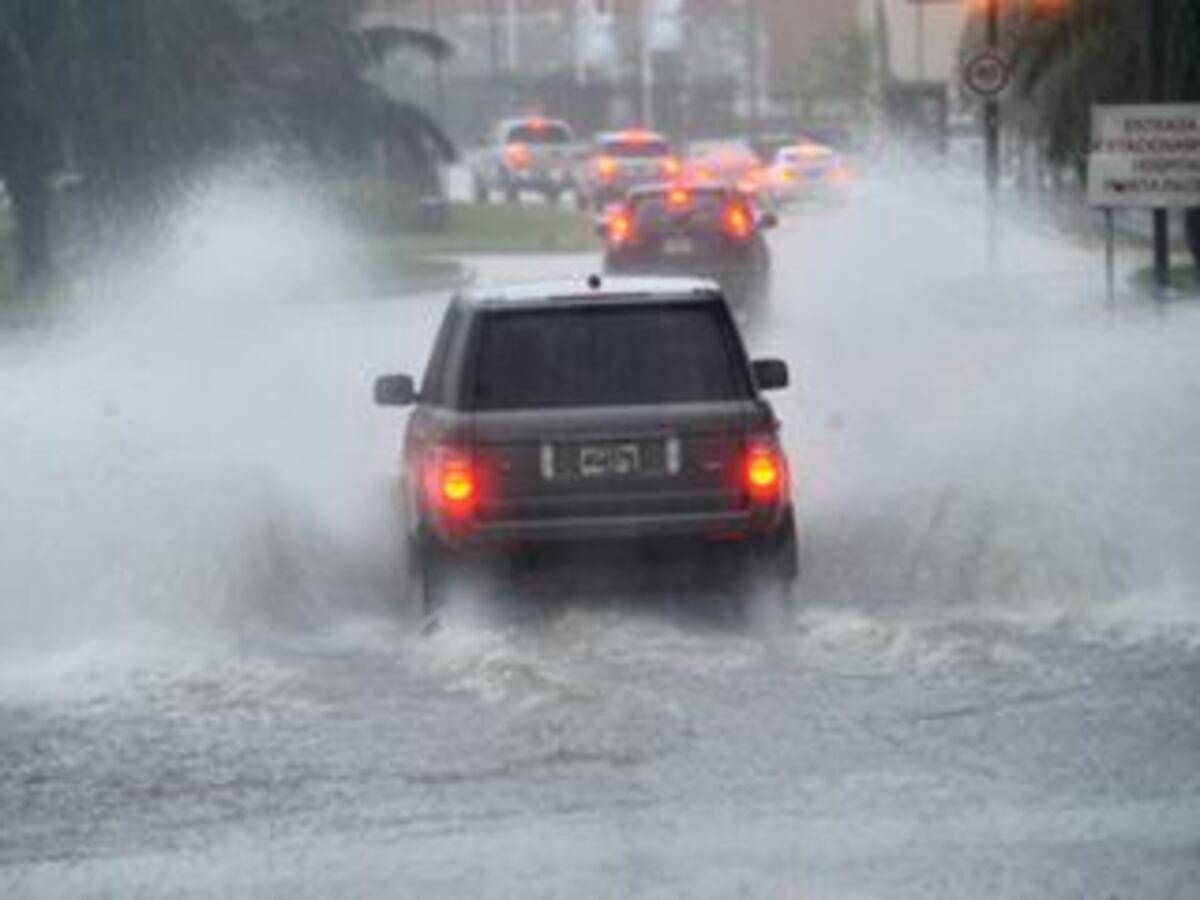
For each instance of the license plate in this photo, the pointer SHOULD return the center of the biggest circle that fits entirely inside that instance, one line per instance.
(610, 459)
(679, 246)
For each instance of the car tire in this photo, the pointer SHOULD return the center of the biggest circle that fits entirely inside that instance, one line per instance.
(512, 194)
(481, 191)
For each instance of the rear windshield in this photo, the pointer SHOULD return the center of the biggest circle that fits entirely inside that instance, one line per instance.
(652, 212)
(648, 149)
(546, 133)
(622, 356)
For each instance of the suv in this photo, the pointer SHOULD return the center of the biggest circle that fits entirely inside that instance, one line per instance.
(709, 230)
(625, 159)
(622, 411)
(530, 154)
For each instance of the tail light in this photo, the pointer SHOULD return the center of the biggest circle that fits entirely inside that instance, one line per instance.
(620, 226)
(672, 167)
(679, 198)
(451, 481)
(764, 471)
(606, 167)
(517, 155)
(736, 221)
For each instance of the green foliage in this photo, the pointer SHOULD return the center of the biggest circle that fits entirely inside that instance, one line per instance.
(140, 94)
(1088, 52)
(836, 68)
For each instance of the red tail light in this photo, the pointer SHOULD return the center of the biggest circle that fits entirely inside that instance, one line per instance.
(606, 167)
(452, 484)
(620, 226)
(672, 167)
(737, 222)
(679, 198)
(517, 155)
(764, 472)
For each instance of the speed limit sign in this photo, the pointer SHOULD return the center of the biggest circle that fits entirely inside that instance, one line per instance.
(987, 74)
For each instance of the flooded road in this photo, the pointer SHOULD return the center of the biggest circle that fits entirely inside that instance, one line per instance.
(209, 682)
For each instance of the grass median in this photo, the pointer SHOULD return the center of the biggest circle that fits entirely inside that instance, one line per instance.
(393, 255)
(1184, 280)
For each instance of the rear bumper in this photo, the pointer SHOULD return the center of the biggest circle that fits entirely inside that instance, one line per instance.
(724, 525)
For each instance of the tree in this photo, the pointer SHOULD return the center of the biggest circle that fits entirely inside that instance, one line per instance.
(143, 93)
(1074, 55)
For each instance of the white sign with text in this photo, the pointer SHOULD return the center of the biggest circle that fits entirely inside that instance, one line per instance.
(1145, 157)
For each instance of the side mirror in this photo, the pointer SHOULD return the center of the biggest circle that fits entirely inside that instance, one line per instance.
(771, 374)
(768, 220)
(395, 390)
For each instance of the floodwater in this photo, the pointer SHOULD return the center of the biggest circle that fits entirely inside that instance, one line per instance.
(210, 682)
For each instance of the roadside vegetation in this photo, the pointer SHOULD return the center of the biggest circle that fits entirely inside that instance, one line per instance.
(146, 97)
(1068, 57)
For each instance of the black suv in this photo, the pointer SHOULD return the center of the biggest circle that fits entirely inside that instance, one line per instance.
(707, 230)
(614, 411)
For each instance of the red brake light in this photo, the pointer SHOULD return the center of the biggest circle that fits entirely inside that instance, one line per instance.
(679, 198)
(764, 473)
(620, 226)
(672, 167)
(606, 167)
(737, 221)
(517, 155)
(452, 483)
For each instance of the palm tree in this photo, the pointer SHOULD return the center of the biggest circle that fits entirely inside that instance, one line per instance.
(145, 92)
(1096, 51)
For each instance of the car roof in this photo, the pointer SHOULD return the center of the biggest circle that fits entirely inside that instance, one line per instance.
(630, 136)
(625, 290)
(534, 121)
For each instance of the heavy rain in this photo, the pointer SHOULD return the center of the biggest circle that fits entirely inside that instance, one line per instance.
(221, 672)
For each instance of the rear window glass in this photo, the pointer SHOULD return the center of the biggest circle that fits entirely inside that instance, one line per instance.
(626, 356)
(652, 211)
(649, 149)
(547, 133)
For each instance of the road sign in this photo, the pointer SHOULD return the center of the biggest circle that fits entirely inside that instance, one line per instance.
(986, 73)
(1145, 157)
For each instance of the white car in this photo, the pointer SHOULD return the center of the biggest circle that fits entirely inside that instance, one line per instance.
(806, 170)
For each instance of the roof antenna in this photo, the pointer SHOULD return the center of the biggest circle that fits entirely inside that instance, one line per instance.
(594, 282)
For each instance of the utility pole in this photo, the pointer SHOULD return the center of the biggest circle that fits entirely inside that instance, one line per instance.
(439, 84)
(646, 13)
(514, 37)
(752, 66)
(1158, 94)
(919, 39)
(991, 108)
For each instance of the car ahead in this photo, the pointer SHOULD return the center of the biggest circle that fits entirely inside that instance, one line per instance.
(708, 230)
(807, 170)
(530, 154)
(621, 160)
(617, 411)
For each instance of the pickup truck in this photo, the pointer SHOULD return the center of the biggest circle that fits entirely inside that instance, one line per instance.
(530, 154)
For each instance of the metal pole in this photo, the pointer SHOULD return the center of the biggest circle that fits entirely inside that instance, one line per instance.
(439, 84)
(991, 109)
(1158, 94)
(1110, 262)
(514, 41)
(646, 11)
(919, 38)
(752, 65)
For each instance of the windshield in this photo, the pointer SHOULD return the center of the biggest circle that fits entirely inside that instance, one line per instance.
(641, 149)
(546, 133)
(545, 359)
(700, 208)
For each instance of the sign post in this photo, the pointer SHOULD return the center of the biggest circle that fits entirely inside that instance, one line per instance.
(1146, 157)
